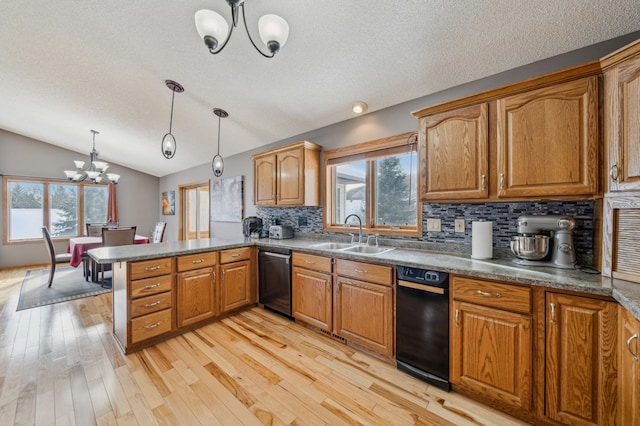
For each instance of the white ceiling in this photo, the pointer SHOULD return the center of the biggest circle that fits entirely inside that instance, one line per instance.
(68, 66)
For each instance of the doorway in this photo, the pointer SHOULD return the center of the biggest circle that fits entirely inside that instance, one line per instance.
(194, 211)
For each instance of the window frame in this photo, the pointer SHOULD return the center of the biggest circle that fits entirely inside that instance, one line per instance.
(368, 151)
(7, 180)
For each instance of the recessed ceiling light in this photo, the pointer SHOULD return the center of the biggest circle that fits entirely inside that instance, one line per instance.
(359, 107)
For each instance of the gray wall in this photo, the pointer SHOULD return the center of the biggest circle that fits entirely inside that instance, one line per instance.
(379, 124)
(138, 199)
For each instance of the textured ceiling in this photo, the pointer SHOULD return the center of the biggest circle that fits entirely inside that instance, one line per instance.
(68, 66)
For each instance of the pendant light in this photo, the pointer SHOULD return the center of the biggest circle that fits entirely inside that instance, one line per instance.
(168, 141)
(217, 164)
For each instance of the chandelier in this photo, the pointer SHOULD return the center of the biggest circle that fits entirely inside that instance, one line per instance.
(96, 170)
(214, 29)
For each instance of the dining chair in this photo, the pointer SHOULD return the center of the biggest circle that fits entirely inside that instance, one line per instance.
(55, 258)
(115, 237)
(158, 232)
(95, 229)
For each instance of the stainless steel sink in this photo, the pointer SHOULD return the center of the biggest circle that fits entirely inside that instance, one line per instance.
(332, 246)
(368, 249)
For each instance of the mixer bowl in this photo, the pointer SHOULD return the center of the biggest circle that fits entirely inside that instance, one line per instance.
(530, 247)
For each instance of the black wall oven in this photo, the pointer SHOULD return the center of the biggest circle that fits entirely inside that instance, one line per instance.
(422, 324)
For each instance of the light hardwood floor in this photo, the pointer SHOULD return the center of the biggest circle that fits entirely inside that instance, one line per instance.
(59, 365)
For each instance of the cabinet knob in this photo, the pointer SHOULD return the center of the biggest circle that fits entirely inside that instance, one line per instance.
(613, 172)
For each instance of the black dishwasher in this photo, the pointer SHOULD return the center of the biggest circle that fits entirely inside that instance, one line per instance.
(274, 268)
(422, 325)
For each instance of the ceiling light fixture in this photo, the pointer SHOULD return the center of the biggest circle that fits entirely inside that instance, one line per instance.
(168, 141)
(95, 172)
(217, 164)
(215, 32)
(359, 107)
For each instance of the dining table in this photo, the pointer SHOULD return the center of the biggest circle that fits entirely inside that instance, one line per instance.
(79, 245)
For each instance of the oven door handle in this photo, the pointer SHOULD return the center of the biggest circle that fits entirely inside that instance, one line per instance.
(422, 287)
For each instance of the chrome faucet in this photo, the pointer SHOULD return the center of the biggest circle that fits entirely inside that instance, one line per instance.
(359, 223)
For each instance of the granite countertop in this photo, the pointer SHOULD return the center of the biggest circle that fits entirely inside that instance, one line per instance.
(626, 293)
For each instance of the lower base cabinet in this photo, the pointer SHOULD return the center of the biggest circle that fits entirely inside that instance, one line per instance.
(581, 360)
(196, 296)
(629, 368)
(492, 346)
(311, 290)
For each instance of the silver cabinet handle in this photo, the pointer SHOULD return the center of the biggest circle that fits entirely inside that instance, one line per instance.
(457, 318)
(148, 305)
(197, 261)
(150, 286)
(235, 255)
(553, 312)
(635, 336)
(484, 182)
(150, 326)
(362, 271)
(486, 293)
(613, 172)
(152, 268)
(214, 276)
(310, 262)
(501, 180)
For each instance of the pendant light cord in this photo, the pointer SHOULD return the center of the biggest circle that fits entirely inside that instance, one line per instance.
(173, 95)
(218, 135)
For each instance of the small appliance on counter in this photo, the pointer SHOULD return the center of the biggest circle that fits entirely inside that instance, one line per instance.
(531, 247)
(251, 226)
(280, 232)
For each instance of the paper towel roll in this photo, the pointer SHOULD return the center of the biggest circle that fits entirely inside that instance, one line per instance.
(481, 240)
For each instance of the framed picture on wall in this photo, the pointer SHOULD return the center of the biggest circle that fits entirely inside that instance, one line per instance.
(227, 199)
(169, 203)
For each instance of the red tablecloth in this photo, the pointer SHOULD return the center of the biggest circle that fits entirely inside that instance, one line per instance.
(79, 245)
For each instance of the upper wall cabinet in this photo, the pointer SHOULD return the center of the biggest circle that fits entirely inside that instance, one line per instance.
(454, 154)
(547, 141)
(622, 117)
(288, 176)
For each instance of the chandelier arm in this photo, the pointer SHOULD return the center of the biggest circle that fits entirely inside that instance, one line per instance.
(244, 19)
(225, 42)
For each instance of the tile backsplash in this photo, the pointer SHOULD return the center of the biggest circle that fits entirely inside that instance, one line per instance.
(308, 220)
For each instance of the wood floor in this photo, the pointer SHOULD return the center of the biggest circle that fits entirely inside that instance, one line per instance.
(59, 365)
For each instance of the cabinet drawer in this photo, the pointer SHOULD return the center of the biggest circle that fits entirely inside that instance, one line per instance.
(151, 325)
(378, 274)
(233, 255)
(151, 268)
(310, 261)
(504, 296)
(197, 261)
(150, 304)
(150, 286)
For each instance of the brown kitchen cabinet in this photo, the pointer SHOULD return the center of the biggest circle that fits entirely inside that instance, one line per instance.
(492, 342)
(288, 176)
(622, 117)
(238, 283)
(196, 285)
(629, 367)
(363, 304)
(454, 154)
(547, 141)
(581, 360)
(312, 290)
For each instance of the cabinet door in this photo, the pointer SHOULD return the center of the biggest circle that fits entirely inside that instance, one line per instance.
(196, 296)
(622, 125)
(235, 285)
(290, 180)
(629, 379)
(454, 154)
(548, 141)
(581, 364)
(265, 181)
(311, 297)
(363, 314)
(492, 353)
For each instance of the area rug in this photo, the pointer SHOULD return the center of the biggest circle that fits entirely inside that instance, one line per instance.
(68, 284)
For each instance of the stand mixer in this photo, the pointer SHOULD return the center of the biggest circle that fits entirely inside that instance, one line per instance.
(531, 247)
